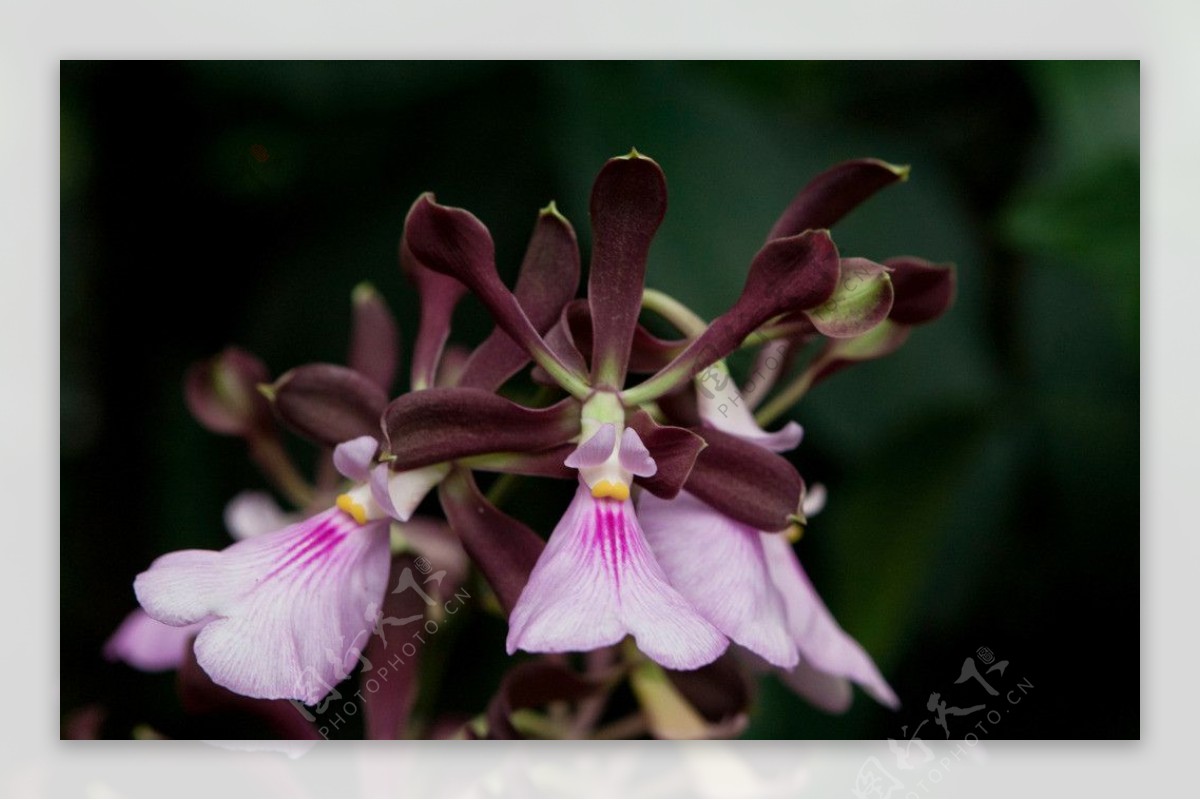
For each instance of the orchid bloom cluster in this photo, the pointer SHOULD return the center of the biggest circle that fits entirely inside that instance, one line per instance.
(673, 565)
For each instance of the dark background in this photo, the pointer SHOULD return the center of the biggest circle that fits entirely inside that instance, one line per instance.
(983, 480)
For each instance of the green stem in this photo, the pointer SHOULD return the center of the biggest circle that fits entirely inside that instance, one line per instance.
(778, 331)
(655, 411)
(688, 322)
(502, 488)
(574, 384)
(625, 728)
(531, 723)
(788, 397)
(662, 383)
(273, 460)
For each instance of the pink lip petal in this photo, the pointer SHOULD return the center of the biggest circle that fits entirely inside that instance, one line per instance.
(144, 643)
(292, 609)
(719, 565)
(822, 642)
(597, 581)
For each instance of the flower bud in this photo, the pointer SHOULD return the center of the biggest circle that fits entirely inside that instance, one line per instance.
(222, 394)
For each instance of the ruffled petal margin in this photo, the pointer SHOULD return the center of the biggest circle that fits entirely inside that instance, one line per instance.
(292, 609)
(597, 581)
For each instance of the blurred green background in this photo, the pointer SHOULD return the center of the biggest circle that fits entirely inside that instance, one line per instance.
(983, 480)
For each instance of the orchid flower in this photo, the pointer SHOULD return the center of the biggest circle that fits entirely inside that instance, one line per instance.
(143, 642)
(284, 614)
(674, 536)
(597, 580)
(749, 582)
(287, 614)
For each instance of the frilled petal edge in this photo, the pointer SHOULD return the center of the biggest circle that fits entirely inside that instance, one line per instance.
(292, 609)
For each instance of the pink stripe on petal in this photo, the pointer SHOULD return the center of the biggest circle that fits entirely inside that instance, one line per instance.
(293, 608)
(597, 581)
(719, 565)
(634, 455)
(299, 550)
(569, 602)
(822, 642)
(596, 450)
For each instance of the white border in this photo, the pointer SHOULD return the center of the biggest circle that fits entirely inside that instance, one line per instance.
(34, 36)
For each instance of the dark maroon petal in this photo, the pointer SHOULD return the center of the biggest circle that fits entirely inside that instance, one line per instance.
(503, 548)
(542, 464)
(389, 685)
(629, 200)
(680, 407)
(571, 336)
(534, 684)
(650, 353)
(745, 481)
(453, 361)
(834, 193)
(439, 295)
(548, 279)
(199, 695)
(720, 691)
(791, 274)
(924, 290)
(453, 242)
(328, 403)
(439, 425)
(564, 337)
(674, 451)
(374, 339)
(861, 301)
(795, 273)
(222, 393)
